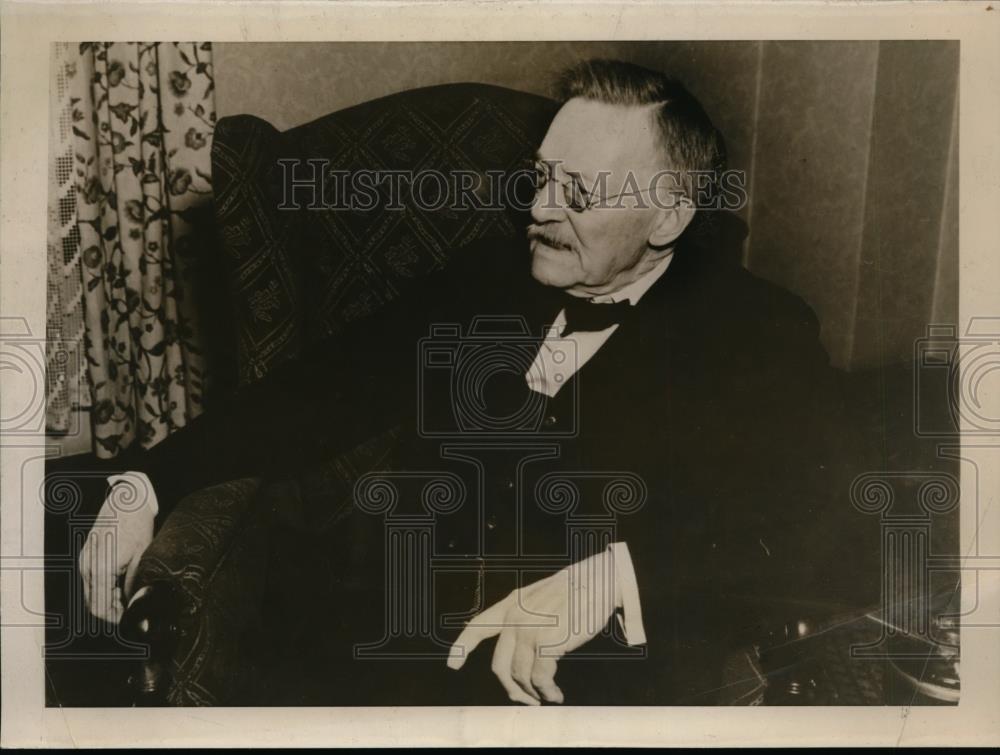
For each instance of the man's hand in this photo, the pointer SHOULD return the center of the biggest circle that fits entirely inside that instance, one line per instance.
(540, 623)
(121, 533)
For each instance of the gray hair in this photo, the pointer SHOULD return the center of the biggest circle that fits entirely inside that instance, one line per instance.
(689, 140)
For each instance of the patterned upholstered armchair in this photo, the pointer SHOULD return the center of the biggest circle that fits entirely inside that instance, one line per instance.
(295, 277)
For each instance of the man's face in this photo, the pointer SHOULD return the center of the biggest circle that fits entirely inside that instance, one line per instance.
(603, 248)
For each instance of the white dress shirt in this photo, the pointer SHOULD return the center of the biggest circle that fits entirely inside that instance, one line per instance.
(558, 359)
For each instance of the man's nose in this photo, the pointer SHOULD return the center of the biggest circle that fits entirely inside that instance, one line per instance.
(549, 204)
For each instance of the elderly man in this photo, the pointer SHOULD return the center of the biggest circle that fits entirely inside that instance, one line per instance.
(687, 404)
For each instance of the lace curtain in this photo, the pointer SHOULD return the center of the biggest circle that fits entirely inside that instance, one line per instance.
(142, 118)
(64, 337)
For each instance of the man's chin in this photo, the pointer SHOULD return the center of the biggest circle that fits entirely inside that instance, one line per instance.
(549, 271)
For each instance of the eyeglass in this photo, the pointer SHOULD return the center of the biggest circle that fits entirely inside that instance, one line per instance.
(575, 194)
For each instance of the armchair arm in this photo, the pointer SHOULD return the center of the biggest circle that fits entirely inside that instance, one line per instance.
(812, 661)
(193, 602)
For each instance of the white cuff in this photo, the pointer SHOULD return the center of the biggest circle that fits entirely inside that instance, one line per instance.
(630, 618)
(143, 487)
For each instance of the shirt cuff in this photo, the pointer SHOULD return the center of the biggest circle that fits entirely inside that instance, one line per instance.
(630, 617)
(143, 486)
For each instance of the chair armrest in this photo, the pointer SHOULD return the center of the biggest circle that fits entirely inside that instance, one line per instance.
(811, 661)
(193, 599)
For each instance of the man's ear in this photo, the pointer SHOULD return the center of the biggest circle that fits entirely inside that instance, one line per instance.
(671, 223)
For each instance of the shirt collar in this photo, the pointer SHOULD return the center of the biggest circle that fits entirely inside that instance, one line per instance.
(634, 290)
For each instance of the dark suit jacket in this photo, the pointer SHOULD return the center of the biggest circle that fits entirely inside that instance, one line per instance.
(714, 407)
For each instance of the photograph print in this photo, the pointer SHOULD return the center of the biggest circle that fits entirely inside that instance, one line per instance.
(503, 373)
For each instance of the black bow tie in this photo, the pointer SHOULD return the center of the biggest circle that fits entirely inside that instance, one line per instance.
(584, 315)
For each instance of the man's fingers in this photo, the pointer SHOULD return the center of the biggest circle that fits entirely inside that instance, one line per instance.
(485, 625)
(94, 585)
(468, 641)
(503, 656)
(543, 678)
(103, 588)
(99, 596)
(84, 562)
(108, 604)
(522, 663)
(130, 572)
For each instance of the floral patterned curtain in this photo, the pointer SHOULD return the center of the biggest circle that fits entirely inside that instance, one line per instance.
(143, 117)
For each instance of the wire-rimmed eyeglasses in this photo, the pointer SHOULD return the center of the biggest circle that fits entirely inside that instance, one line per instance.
(575, 194)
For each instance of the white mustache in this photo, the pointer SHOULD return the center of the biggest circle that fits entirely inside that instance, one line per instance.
(535, 233)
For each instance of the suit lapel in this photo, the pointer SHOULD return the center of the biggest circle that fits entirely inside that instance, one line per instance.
(645, 351)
